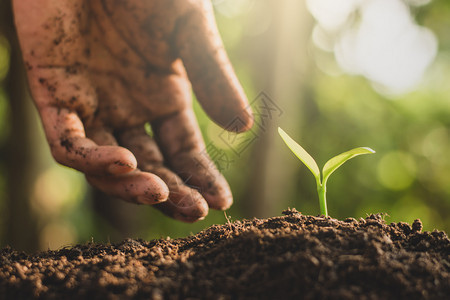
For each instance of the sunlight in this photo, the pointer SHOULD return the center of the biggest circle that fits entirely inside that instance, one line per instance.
(233, 8)
(331, 14)
(386, 46)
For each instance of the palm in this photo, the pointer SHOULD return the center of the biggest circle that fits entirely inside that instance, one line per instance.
(135, 67)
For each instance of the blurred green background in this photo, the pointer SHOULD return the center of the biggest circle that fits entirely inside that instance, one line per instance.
(361, 73)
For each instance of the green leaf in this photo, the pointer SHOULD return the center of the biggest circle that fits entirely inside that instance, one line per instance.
(338, 160)
(301, 154)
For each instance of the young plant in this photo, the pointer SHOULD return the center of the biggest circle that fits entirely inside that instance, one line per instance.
(329, 167)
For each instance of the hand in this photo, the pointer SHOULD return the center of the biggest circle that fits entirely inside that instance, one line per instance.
(99, 70)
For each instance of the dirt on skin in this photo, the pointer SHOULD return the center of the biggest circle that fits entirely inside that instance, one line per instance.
(286, 257)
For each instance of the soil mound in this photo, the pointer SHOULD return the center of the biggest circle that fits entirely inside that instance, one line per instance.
(286, 257)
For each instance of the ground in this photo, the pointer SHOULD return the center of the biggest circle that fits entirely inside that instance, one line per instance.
(288, 257)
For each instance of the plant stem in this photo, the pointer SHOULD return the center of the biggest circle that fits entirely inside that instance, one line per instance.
(322, 191)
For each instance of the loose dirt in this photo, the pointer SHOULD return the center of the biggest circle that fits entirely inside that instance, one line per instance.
(286, 257)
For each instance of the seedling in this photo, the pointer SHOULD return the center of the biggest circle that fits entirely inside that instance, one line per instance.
(329, 167)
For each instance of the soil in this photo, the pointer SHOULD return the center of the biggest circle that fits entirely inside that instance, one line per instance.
(291, 256)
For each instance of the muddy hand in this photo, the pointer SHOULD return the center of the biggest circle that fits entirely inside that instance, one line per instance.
(100, 69)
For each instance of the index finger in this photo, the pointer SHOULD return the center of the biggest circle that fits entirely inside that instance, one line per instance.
(70, 147)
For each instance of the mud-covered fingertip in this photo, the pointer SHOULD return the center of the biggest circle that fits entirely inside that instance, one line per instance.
(238, 122)
(195, 210)
(187, 218)
(159, 191)
(151, 199)
(247, 121)
(195, 213)
(121, 167)
(222, 205)
(156, 190)
(221, 201)
(123, 161)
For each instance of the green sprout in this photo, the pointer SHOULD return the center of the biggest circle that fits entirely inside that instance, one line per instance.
(329, 167)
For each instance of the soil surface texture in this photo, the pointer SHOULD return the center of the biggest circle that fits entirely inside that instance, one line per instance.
(288, 257)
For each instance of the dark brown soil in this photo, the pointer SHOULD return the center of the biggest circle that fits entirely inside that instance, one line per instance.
(292, 256)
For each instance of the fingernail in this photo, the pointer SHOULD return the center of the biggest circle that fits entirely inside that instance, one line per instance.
(118, 167)
(157, 198)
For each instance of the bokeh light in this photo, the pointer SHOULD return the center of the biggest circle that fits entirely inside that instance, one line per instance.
(56, 189)
(396, 170)
(330, 14)
(383, 43)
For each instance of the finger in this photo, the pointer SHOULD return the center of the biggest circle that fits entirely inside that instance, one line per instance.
(208, 67)
(136, 187)
(180, 139)
(101, 135)
(184, 202)
(197, 169)
(70, 147)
